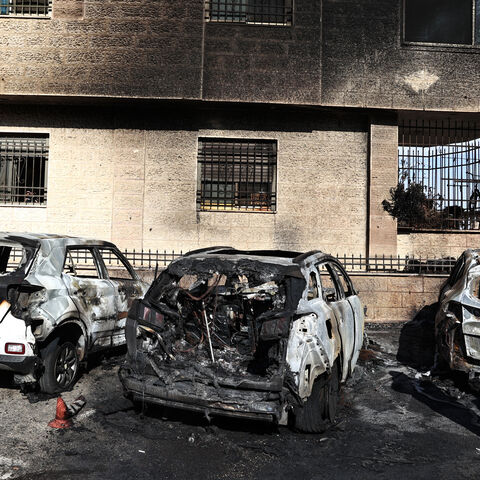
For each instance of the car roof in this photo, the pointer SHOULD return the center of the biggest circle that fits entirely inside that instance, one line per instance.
(283, 257)
(49, 239)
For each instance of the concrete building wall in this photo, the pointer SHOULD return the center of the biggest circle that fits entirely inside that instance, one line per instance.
(335, 53)
(124, 175)
(105, 48)
(366, 64)
(266, 63)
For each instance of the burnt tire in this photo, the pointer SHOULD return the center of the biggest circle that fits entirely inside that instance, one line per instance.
(61, 365)
(320, 408)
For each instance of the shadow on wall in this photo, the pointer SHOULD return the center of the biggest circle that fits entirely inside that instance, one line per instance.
(417, 339)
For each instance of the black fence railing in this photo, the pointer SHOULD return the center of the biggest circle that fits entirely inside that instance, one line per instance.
(149, 259)
(352, 263)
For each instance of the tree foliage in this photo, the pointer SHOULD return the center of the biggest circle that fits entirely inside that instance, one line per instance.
(410, 206)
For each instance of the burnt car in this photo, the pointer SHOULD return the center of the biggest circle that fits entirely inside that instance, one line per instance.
(267, 335)
(61, 299)
(457, 322)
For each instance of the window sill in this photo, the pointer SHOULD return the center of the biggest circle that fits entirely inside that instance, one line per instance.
(220, 210)
(30, 17)
(255, 24)
(438, 47)
(24, 205)
(408, 230)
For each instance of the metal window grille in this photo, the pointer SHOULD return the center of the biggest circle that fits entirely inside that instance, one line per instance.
(443, 157)
(26, 8)
(264, 12)
(237, 175)
(23, 169)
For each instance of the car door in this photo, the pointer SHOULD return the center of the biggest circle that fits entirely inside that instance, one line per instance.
(326, 315)
(127, 287)
(351, 296)
(335, 298)
(93, 294)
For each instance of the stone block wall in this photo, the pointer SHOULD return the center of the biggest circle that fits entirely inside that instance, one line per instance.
(396, 297)
(131, 177)
(437, 245)
(114, 48)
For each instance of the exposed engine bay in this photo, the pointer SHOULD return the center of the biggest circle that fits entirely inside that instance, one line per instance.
(230, 315)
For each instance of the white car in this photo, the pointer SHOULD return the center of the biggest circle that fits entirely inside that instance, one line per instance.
(255, 334)
(61, 298)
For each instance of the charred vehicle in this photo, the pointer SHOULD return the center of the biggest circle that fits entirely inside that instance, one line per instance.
(261, 334)
(61, 298)
(457, 323)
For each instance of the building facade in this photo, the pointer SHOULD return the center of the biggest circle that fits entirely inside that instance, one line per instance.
(253, 123)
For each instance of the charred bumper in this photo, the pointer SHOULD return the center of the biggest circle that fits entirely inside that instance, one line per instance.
(209, 399)
(19, 364)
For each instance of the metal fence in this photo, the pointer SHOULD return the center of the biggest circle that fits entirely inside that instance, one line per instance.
(439, 170)
(352, 263)
(150, 259)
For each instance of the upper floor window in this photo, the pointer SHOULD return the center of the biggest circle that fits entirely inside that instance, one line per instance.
(442, 21)
(264, 12)
(237, 174)
(23, 169)
(25, 8)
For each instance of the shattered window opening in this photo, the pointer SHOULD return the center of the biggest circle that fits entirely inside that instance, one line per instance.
(312, 287)
(442, 21)
(12, 258)
(439, 170)
(23, 169)
(237, 175)
(25, 8)
(80, 262)
(329, 287)
(263, 12)
(116, 267)
(344, 283)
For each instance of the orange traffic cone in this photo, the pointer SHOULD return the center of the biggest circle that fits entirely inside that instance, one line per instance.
(61, 416)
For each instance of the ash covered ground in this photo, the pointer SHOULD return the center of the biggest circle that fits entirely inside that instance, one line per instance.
(394, 422)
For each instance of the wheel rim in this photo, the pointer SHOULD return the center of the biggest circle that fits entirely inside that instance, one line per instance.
(66, 365)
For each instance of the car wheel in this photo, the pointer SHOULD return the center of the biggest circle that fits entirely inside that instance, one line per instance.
(320, 408)
(61, 364)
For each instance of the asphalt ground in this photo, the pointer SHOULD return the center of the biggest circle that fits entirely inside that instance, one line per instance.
(396, 421)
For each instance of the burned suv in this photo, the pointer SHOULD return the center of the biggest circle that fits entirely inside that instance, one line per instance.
(457, 323)
(61, 298)
(260, 334)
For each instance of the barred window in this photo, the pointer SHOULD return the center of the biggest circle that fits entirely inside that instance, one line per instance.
(442, 21)
(237, 175)
(439, 169)
(26, 8)
(23, 169)
(267, 12)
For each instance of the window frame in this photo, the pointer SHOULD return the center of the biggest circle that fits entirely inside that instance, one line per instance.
(289, 18)
(272, 201)
(121, 257)
(98, 262)
(458, 46)
(340, 295)
(28, 137)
